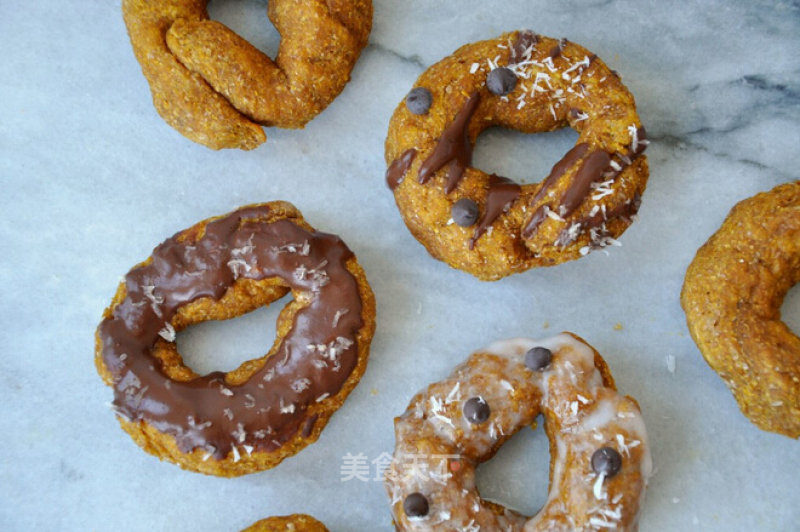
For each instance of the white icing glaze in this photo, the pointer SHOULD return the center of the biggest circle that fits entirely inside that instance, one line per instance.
(438, 449)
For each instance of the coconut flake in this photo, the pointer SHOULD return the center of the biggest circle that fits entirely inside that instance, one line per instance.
(671, 363)
(336, 317)
(168, 332)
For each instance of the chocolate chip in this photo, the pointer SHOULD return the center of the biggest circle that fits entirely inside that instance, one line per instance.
(501, 81)
(419, 100)
(538, 358)
(476, 410)
(606, 461)
(416, 505)
(465, 212)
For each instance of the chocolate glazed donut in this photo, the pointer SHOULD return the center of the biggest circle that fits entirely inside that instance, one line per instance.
(249, 419)
(529, 83)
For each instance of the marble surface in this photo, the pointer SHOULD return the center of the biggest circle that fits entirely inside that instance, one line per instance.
(92, 180)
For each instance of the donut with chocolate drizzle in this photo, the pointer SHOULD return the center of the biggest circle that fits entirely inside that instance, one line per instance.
(599, 453)
(251, 418)
(589, 198)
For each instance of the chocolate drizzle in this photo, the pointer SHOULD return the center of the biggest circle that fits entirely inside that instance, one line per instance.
(397, 170)
(536, 220)
(624, 211)
(593, 167)
(312, 362)
(590, 171)
(566, 162)
(558, 170)
(453, 147)
(641, 144)
(502, 192)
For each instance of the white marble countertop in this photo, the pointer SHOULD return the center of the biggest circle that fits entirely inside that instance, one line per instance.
(92, 180)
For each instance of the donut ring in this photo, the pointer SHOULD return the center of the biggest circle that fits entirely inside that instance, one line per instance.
(732, 297)
(216, 89)
(529, 83)
(600, 459)
(251, 418)
(288, 523)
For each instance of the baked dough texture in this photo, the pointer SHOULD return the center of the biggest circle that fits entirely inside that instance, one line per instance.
(529, 83)
(288, 523)
(600, 457)
(251, 418)
(217, 89)
(732, 296)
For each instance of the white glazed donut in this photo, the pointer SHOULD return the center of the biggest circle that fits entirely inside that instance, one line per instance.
(600, 458)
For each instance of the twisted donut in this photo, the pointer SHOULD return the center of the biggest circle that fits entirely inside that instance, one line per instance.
(600, 459)
(215, 88)
(732, 296)
(488, 225)
(249, 419)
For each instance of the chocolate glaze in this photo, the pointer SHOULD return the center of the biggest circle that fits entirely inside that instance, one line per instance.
(536, 220)
(566, 162)
(595, 166)
(453, 147)
(624, 211)
(641, 135)
(590, 171)
(397, 170)
(524, 40)
(502, 192)
(308, 426)
(272, 406)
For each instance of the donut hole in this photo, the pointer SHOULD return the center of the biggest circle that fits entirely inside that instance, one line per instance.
(249, 20)
(790, 310)
(225, 345)
(526, 158)
(519, 474)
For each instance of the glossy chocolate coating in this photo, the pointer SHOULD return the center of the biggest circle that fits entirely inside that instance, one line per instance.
(312, 361)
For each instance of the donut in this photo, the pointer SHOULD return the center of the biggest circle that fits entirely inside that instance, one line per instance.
(600, 459)
(251, 418)
(217, 89)
(732, 296)
(488, 225)
(288, 523)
